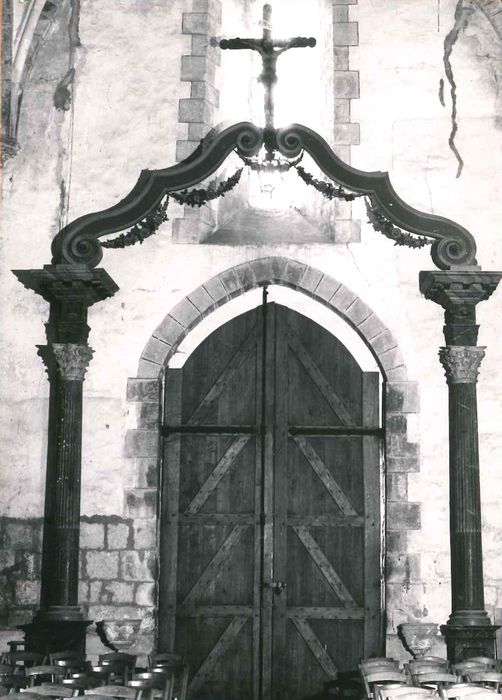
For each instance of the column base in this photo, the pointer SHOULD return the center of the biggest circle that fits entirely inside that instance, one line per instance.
(52, 631)
(464, 641)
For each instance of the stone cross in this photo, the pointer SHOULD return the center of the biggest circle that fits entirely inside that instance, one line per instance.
(269, 50)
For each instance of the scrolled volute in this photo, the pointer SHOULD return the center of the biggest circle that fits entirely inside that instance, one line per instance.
(289, 142)
(82, 248)
(448, 252)
(249, 140)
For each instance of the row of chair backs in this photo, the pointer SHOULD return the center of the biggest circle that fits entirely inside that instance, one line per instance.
(382, 677)
(65, 674)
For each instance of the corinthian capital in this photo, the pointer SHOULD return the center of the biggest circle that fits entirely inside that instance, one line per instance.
(68, 359)
(461, 363)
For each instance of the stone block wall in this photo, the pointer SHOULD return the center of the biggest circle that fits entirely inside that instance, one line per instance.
(20, 559)
(345, 89)
(117, 573)
(197, 112)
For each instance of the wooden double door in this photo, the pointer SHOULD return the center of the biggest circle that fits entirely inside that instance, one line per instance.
(270, 551)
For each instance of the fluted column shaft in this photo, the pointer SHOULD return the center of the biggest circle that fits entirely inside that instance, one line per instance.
(66, 363)
(461, 365)
(465, 510)
(61, 586)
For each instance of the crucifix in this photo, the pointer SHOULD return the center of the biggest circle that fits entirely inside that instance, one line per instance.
(269, 50)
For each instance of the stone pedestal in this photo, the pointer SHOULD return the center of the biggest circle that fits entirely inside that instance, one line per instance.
(46, 636)
(70, 290)
(468, 631)
(466, 641)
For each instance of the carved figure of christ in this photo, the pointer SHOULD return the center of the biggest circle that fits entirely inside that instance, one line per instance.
(269, 50)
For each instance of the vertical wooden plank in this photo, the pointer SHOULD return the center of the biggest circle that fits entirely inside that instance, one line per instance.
(258, 534)
(267, 501)
(373, 558)
(169, 514)
(280, 488)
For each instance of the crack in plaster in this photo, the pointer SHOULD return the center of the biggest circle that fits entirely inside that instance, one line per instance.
(463, 14)
(63, 100)
(353, 258)
(427, 183)
(62, 93)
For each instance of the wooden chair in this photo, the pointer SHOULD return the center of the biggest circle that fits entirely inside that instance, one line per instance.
(23, 695)
(114, 691)
(386, 676)
(73, 665)
(463, 667)
(82, 681)
(379, 662)
(111, 673)
(485, 660)
(123, 666)
(179, 679)
(490, 679)
(52, 690)
(432, 662)
(413, 694)
(485, 694)
(373, 666)
(376, 665)
(148, 688)
(6, 671)
(65, 654)
(418, 668)
(460, 690)
(161, 680)
(14, 645)
(43, 674)
(396, 691)
(167, 658)
(390, 692)
(13, 678)
(437, 680)
(122, 656)
(180, 683)
(24, 659)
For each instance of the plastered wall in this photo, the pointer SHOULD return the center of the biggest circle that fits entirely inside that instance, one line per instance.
(124, 116)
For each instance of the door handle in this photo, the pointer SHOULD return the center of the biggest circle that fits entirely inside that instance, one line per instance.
(277, 586)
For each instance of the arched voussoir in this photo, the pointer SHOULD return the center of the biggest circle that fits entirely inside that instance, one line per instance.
(278, 270)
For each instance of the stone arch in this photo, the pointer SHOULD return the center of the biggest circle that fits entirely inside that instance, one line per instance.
(272, 270)
(400, 399)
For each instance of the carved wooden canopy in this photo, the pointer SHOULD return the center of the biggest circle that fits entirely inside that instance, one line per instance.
(78, 242)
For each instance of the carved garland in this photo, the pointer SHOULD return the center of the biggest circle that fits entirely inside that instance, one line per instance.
(375, 216)
(200, 196)
(380, 223)
(78, 242)
(193, 198)
(326, 188)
